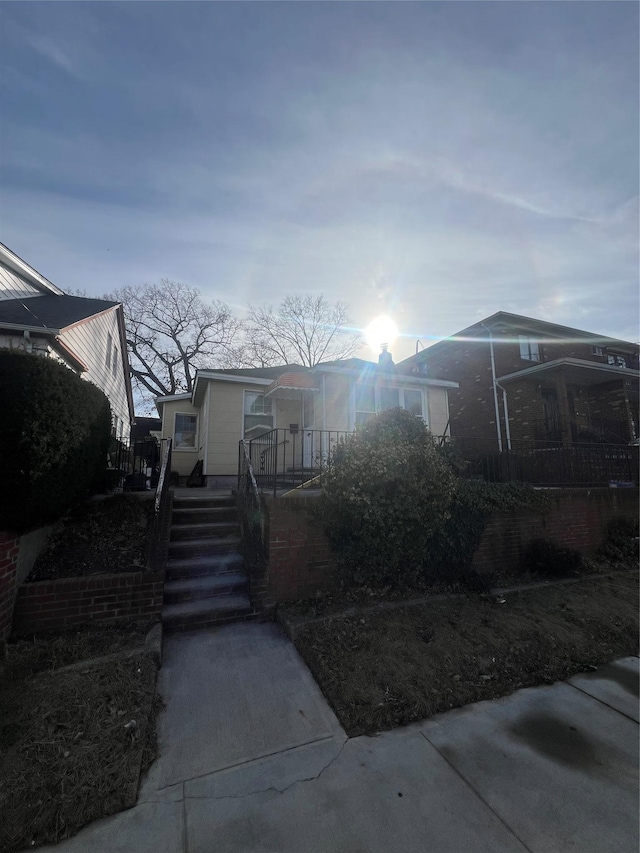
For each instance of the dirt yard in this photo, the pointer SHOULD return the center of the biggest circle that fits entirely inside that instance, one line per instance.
(384, 668)
(75, 732)
(99, 537)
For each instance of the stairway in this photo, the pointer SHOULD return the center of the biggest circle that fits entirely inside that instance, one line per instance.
(205, 583)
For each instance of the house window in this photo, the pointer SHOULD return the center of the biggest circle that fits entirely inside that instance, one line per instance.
(389, 398)
(597, 351)
(412, 401)
(184, 433)
(617, 360)
(107, 360)
(114, 362)
(258, 415)
(365, 402)
(529, 349)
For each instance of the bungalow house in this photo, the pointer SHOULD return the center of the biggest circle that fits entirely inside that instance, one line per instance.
(533, 386)
(87, 335)
(290, 415)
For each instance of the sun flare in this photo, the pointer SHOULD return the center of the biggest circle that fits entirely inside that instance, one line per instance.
(380, 331)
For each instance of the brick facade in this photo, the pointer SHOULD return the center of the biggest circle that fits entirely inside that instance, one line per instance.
(9, 548)
(49, 605)
(609, 405)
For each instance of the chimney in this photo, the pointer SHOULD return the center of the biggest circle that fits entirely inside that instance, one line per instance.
(385, 359)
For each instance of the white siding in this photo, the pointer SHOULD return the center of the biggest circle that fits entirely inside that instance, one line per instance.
(88, 340)
(13, 286)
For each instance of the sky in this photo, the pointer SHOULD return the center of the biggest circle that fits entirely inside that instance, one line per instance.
(435, 162)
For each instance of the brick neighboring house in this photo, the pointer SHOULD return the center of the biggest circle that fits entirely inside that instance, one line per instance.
(526, 380)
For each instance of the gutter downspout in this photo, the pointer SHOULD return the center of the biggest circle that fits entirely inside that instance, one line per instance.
(507, 428)
(494, 383)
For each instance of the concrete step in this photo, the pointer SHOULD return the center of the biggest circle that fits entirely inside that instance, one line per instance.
(203, 565)
(203, 502)
(198, 588)
(189, 615)
(204, 547)
(203, 531)
(204, 514)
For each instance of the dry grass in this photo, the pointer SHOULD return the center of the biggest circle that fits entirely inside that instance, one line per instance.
(72, 746)
(381, 669)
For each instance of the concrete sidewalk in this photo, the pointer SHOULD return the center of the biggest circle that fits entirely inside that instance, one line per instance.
(253, 759)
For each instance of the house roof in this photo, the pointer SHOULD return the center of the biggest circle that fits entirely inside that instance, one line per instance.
(576, 371)
(258, 372)
(540, 328)
(50, 312)
(292, 382)
(26, 272)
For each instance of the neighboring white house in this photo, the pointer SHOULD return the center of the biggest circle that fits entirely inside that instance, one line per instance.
(88, 335)
(228, 405)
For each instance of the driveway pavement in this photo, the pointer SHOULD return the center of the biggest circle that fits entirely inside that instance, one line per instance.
(253, 759)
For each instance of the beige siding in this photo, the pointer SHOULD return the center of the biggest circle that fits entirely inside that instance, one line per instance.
(182, 459)
(225, 426)
(35, 345)
(203, 427)
(88, 340)
(438, 410)
(337, 399)
(13, 286)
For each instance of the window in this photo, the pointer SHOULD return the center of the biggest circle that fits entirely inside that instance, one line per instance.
(412, 401)
(107, 361)
(617, 360)
(529, 350)
(597, 351)
(258, 415)
(365, 402)
(114, 361)
(389, 398)
(185, 432)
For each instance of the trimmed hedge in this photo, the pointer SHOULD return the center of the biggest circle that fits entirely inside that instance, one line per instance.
(54, 435)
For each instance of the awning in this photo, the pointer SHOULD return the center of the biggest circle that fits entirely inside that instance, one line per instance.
(576, 372)
(290, 385)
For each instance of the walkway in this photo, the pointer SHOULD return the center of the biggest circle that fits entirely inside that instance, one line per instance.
(252, 759)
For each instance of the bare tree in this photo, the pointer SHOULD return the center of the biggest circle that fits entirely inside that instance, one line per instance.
(301, 330)
(171, 331)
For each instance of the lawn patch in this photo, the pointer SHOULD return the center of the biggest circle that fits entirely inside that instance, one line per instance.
(73, 741)
(384, 668)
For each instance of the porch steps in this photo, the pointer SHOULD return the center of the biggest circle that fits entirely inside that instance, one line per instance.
(205, 583)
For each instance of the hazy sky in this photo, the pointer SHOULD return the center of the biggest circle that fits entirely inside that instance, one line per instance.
(434, 161)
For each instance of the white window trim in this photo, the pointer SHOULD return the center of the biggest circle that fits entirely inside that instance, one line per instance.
(424, 393)
(531, 344)
(193, 449)
(274, 408)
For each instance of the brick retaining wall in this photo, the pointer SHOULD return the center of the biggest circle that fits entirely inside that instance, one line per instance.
(300, 558)
(578, 519)
(48, 605)
(300, 561)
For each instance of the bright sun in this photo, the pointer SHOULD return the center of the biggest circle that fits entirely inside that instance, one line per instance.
(380, 331)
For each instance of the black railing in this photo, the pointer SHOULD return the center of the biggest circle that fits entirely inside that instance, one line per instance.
(158, 530)
(251, 513)
(589, 430)
(283, 459)
(548, 464)
(134, 467)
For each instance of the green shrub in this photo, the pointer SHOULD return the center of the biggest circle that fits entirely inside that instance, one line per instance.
(54, 434)
(546, 558)
(385, 495)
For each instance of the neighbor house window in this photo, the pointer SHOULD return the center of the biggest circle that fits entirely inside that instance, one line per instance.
(617, 360)
(365, 402)
(114, 362)
(412, 401)
(529, 349)
(258, 415)
(597, 351)
(107, 360)
(185, 432)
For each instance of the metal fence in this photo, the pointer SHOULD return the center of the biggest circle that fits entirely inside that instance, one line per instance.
(284, 458)
(548, 464)
(158, 533)
(251, 513)
(134, 467)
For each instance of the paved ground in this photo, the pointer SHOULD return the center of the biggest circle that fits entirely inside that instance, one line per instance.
(253, 759)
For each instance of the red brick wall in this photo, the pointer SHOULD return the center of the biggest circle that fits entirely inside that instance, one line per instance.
(300, 560)
(9, 547)
(47, 605)
(577, 519)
